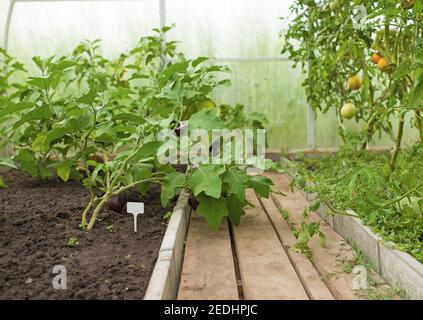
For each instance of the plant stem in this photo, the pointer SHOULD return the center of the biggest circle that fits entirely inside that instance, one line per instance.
(398, 141)
(87, 209)
(419, 123)
(402, 197)
(97, 210)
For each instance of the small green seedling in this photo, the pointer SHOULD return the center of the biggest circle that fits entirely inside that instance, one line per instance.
(111, 228)
(72, 242)
(167, 216)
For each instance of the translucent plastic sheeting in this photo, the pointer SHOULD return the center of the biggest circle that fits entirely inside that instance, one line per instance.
(327, 131)
(47, 28)
(273, 88)
(228, 28)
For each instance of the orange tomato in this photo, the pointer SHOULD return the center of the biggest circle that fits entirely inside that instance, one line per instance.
(382, 64)
(376, 57)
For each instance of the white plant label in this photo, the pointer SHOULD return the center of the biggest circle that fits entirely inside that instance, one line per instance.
(135, 208)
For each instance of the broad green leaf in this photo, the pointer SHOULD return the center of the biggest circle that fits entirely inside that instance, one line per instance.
(212, 209)
(206, 119)
(237, 182)
(38, 113)
(198, 61)
(64, 168)
(7, 162)
(41, 83)
(14, 107)
(142, 171)
(235, 209)
(173, 69)
(126, 116)
(206, 179)
(148, 149)
(261, 185)
(26, 161)
(89, 97)
(171, 186)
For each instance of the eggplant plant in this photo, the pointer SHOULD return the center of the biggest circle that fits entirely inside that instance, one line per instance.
(98, 121)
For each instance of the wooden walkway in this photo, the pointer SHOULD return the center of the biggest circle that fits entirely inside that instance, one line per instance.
(256, 260)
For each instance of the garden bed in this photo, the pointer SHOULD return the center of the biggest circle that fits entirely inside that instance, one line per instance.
(37, 221)
(368, 231)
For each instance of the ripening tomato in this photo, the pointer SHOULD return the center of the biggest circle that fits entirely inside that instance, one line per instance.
(354, 83)
(376, 57)
(382, 64)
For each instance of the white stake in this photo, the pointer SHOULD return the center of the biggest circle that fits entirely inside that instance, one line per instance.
(135, 208)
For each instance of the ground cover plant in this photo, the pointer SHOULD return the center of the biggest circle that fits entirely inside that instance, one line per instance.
(366, 68)
(96, 120)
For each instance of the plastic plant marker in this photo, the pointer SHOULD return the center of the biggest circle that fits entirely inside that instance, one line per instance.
(135, 208)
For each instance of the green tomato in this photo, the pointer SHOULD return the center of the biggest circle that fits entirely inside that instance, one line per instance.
(348, 111)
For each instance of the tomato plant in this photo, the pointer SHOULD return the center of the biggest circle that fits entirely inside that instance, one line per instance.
(383, 54)
(369, 71)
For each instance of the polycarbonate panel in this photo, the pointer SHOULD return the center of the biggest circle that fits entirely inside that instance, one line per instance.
(273, 88)
(4, 6)
(327, 131)
(47, 28)
(228, 28)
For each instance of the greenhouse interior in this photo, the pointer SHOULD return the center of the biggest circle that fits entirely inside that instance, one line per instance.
(211, 150)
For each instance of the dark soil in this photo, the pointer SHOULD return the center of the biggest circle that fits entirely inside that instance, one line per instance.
(37, 219)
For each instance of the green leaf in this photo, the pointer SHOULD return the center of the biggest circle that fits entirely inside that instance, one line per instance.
(206, 179)
(416, 95)
(27, 161)
(261, 185)
(14, 107)
(7, 162)
(37, 113)
(126, 116)
(235, 209)
(89, 97)
(171, 186)
(41, 83)
(198, 61)
(206, 119)
(148, 149)
(173, 69)
(64, 169)
(212, 209)
(237, 182)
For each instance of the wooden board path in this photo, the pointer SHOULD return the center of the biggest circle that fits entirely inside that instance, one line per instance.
(256, 260)
(208, 272)
(265, 269)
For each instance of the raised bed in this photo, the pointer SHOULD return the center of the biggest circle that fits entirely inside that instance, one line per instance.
(164, 281)
(37, 219)
(398, 268)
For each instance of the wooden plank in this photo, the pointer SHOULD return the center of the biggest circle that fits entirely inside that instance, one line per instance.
(164, 281)
(266, 272)
(310, 278)
(328, 260)
(208, 271)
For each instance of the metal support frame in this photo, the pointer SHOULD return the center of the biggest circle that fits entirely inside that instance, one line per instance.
(7, 26)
